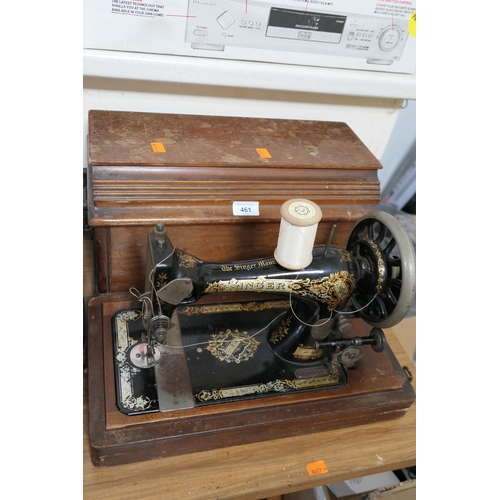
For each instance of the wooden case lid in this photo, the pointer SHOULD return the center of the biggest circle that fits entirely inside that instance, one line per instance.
(133, 138)
(181, 169)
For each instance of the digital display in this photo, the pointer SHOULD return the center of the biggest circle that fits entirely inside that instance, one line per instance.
(292, 24)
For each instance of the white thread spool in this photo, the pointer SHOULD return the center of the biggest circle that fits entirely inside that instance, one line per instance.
(299, 223)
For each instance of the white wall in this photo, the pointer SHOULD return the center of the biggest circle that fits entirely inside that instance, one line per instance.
(401, 143)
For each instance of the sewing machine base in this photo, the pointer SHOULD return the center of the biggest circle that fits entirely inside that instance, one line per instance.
(377, 389)
(224, 354)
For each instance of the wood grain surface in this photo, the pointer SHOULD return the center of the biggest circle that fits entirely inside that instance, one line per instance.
(126, 138)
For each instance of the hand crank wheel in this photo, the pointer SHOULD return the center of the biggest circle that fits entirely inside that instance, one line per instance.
(386, 255)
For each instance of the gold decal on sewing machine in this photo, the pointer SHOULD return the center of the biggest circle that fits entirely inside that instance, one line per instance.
(380, 264)
(231, 392)
(123, 339)
(266, 263)
(305, 352)
(235, 307)
(237, 391)
(260, 284)
(125, 369)
(247, 266)
(232, 346)
(137, 404)
(273, 386)
(161, 280)
(345, 255)
(186, 260)
(309, 383)
(281, 330)
(341, 289)
(331, 290)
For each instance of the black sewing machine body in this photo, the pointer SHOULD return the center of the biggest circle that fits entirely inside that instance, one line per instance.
(209, 333)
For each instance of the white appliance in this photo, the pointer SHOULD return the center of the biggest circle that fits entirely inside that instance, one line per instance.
(297, 26)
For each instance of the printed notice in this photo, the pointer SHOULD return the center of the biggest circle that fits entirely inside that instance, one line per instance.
(137, 8)
(246, 208)
(396, 8)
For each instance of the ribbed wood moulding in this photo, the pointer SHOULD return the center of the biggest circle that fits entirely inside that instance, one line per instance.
(160, 191)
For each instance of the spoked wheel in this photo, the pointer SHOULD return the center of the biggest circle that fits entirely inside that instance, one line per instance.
(386, 256)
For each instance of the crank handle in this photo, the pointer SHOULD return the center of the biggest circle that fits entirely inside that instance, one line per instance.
(376, 339)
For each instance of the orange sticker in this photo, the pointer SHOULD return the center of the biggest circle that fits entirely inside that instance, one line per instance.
(263, 153)
(158, 147)
(317, 468)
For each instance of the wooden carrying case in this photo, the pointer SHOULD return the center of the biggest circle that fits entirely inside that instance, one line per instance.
(187, 171)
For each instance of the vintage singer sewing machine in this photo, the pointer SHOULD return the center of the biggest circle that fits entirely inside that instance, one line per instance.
(177, 352)
(199, 336)
(213, 354)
